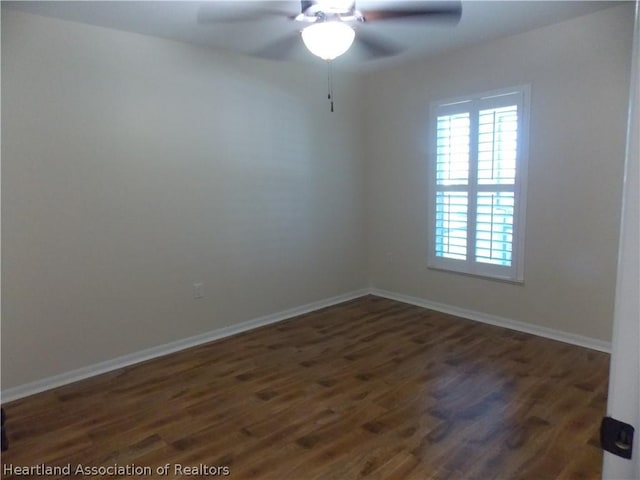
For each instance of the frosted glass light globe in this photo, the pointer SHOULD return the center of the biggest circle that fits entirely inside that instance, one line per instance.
(328, 40)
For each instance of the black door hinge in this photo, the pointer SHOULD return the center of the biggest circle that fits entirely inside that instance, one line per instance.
(616, 437)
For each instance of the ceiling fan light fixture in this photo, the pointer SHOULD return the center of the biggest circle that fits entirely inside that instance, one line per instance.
(328, 40)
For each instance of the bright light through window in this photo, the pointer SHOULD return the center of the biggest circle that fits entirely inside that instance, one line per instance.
(452, 161)
(477, 185)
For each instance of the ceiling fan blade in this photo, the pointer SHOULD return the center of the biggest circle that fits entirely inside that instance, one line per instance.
(374, 46)
(238, 12)
(449, 11)
(281, 49)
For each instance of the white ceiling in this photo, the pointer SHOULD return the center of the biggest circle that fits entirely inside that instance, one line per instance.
(178, 20)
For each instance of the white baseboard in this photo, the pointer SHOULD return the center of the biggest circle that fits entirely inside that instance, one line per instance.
(573, 339)
(130, 359)
(126, 360)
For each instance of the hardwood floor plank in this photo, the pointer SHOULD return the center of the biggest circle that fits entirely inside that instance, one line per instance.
(371, 389)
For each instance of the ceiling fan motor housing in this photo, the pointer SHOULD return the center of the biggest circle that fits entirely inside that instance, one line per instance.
(314, 10)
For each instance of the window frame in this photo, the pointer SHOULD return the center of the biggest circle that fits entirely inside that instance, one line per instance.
(521, 96)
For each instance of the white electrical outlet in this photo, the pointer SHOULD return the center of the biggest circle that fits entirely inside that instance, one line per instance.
(198, 290)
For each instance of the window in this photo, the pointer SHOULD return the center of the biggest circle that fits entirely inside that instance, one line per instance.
(477, 172)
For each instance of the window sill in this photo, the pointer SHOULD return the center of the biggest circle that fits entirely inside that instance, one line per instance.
(519, 282)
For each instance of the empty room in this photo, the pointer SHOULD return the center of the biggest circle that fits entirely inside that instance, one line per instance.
(320, 239)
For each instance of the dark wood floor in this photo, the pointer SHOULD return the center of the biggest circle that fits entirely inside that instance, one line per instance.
(371, 388)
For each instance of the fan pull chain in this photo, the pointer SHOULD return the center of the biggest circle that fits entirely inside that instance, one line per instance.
(330, 82)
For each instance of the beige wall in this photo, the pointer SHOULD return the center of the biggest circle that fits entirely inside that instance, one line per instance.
(134, 166)
(579, 72)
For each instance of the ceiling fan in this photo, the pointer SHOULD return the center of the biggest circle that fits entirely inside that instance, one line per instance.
(328, 27)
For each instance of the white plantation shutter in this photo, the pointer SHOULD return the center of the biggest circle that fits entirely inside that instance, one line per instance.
(451, 224)
(477, 211)
(452, 161)
(494, 228)
(497, 145)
